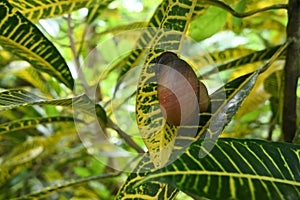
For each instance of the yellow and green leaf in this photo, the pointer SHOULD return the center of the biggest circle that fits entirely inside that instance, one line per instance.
(235, 169)
(61, 186)
(21, 98)
(36, 9)
(12, 99)
(257, 56)
(21, 157)
(23, 38)
(17, 125)
(158, 135)
(151, 190)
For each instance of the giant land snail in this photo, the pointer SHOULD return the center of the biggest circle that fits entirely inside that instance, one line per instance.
(180, 94)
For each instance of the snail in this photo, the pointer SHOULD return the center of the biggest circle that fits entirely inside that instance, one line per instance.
(181, 95)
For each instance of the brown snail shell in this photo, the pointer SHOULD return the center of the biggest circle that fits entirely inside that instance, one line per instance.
(180, 94)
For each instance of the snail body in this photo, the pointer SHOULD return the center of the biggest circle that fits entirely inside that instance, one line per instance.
(180, 94)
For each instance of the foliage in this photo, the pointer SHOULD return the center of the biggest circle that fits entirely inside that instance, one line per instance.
(72, 73)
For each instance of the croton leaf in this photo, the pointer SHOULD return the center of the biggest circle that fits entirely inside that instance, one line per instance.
(235, 169)
(28, 123)
(21, 157)
(40, 194)
(17, 98)
(36, 9)
(257, 56)
(150, 122)
(23, 38)
(150, 190)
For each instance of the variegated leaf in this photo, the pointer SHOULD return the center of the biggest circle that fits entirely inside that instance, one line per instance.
(235, 169)
(168, 35)
(36, 9)
(23, 38)
(15, 98)
(29, 123)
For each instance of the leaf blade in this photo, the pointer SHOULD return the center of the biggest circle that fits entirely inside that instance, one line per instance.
(244, 167)
(35, 9)
(23, 38)
(18, 125)
(20, 98)
(157, 134)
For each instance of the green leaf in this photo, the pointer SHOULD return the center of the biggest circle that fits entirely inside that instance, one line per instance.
(257, 56)
(273, 84)
(23, 153)
(33, 77)
(82, 171)
(149, 190)
(235, 169)
(229, 54)
(157, 134)
(21, 157)
(212, 21)
(36, 9)
(20, 98)
(15, 97)
(17, 125)
(61, 186)
(23, 38)
(126, 27)
(240, 7)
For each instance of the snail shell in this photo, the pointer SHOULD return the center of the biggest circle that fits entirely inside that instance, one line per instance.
(180, 94)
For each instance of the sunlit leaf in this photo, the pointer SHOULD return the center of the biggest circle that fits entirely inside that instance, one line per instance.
(35, 9)
(260, 94)
(17, 98)
(33, 77)
(155, 137)
(212, 21)
(20, 36)
(126, 27)
(17, 125)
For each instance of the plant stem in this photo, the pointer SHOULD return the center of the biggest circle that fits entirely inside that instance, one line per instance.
(223, 5)
(76, 57)
(291, 72)
(126, 137)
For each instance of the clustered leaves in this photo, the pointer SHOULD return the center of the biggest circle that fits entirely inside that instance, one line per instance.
(41, 153)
